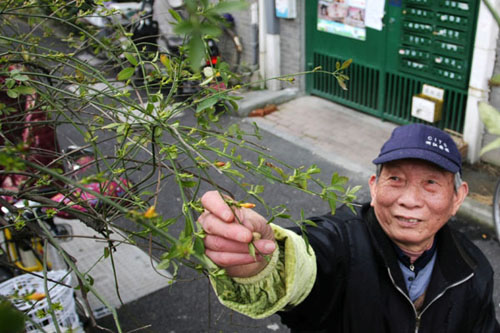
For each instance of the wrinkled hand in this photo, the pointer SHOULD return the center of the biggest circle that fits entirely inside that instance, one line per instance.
(228, 236)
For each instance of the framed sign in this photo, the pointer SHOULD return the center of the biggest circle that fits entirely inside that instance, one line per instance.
(342, 17)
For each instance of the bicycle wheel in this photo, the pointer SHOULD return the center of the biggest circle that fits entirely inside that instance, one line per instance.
(496, 209)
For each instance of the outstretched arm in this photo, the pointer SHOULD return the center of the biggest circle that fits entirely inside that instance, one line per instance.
(259, 286)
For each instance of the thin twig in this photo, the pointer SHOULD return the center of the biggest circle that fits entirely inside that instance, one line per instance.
(140, 328)
(51, 309)
(193, 150)
(150, 242)
(117, 287)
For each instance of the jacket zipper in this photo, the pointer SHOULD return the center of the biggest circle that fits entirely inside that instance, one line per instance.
(417, 315)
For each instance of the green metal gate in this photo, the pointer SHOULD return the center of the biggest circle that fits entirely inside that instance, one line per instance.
(422, 42)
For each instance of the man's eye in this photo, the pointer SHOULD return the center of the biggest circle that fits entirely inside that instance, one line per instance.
(394, 178)
(431, 181)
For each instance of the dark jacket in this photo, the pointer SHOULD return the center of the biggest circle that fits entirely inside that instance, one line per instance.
(360, 287)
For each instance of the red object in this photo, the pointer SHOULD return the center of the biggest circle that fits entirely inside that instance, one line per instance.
(30, 126)
(27, 125)
(78, 197)
(213, 60)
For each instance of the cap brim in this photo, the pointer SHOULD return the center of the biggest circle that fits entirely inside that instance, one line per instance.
(421, 154)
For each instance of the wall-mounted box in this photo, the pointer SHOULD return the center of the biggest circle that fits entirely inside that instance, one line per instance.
(286, 9)
(426, 108)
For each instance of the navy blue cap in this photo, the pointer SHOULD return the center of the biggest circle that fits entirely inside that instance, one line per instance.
(421, 142)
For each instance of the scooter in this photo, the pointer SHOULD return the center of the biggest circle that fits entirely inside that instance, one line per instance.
(137, 17)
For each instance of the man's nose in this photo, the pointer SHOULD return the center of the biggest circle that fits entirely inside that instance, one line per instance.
(411, 196)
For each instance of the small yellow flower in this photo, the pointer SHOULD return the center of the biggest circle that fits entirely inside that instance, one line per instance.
(36, 296)
(164, 60)
(247, 205)
(150, 213)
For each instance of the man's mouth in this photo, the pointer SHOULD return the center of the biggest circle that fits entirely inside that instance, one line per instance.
(407, 219)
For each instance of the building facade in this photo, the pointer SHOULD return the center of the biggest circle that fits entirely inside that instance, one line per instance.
(411, 43)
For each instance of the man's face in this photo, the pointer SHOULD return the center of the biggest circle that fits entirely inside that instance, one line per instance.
(412, 200)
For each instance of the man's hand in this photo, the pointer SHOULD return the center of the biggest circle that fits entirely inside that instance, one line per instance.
(228, 236)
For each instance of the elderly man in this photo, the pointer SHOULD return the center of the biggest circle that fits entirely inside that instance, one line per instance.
(394, 266)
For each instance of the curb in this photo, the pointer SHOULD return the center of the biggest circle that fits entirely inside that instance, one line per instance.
(471, 210)
(477, 212)
(259, 98)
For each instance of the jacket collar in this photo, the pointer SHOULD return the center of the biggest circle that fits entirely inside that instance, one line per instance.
(453, 264)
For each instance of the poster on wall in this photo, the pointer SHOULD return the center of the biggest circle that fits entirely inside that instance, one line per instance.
(342, 17)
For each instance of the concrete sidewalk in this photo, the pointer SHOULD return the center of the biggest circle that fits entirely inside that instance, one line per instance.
(341, 135)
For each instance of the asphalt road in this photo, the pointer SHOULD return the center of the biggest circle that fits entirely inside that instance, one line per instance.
(189, 305)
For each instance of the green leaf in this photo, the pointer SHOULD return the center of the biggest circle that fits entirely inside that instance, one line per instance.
(131, 59)
(332, 202)
(338, 180)
(196, 49)
(11, 319)
(149, 108)
(24, 90)
(233, 97)
(175, 15)
(223, 7)
(210, 29)
(12, 93)
(346, 64)
(165, 60)
(183, 28)
(125, 74)
(355, 189)
(490, 117)
(205, 104)
(20, 77)
(189, 183)
(258, 189)
(490, 146)
(164, 264)
(207, 81)
(106, 252)
(313, 169)
(338, 188)
(172, 151)
(234, 172)
(251, 250)
(341, 83)
(9, 82)
(199, 246)
(158, 132)
(310, 223)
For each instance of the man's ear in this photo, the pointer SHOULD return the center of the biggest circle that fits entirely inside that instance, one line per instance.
(459, 196)
(372, 182)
